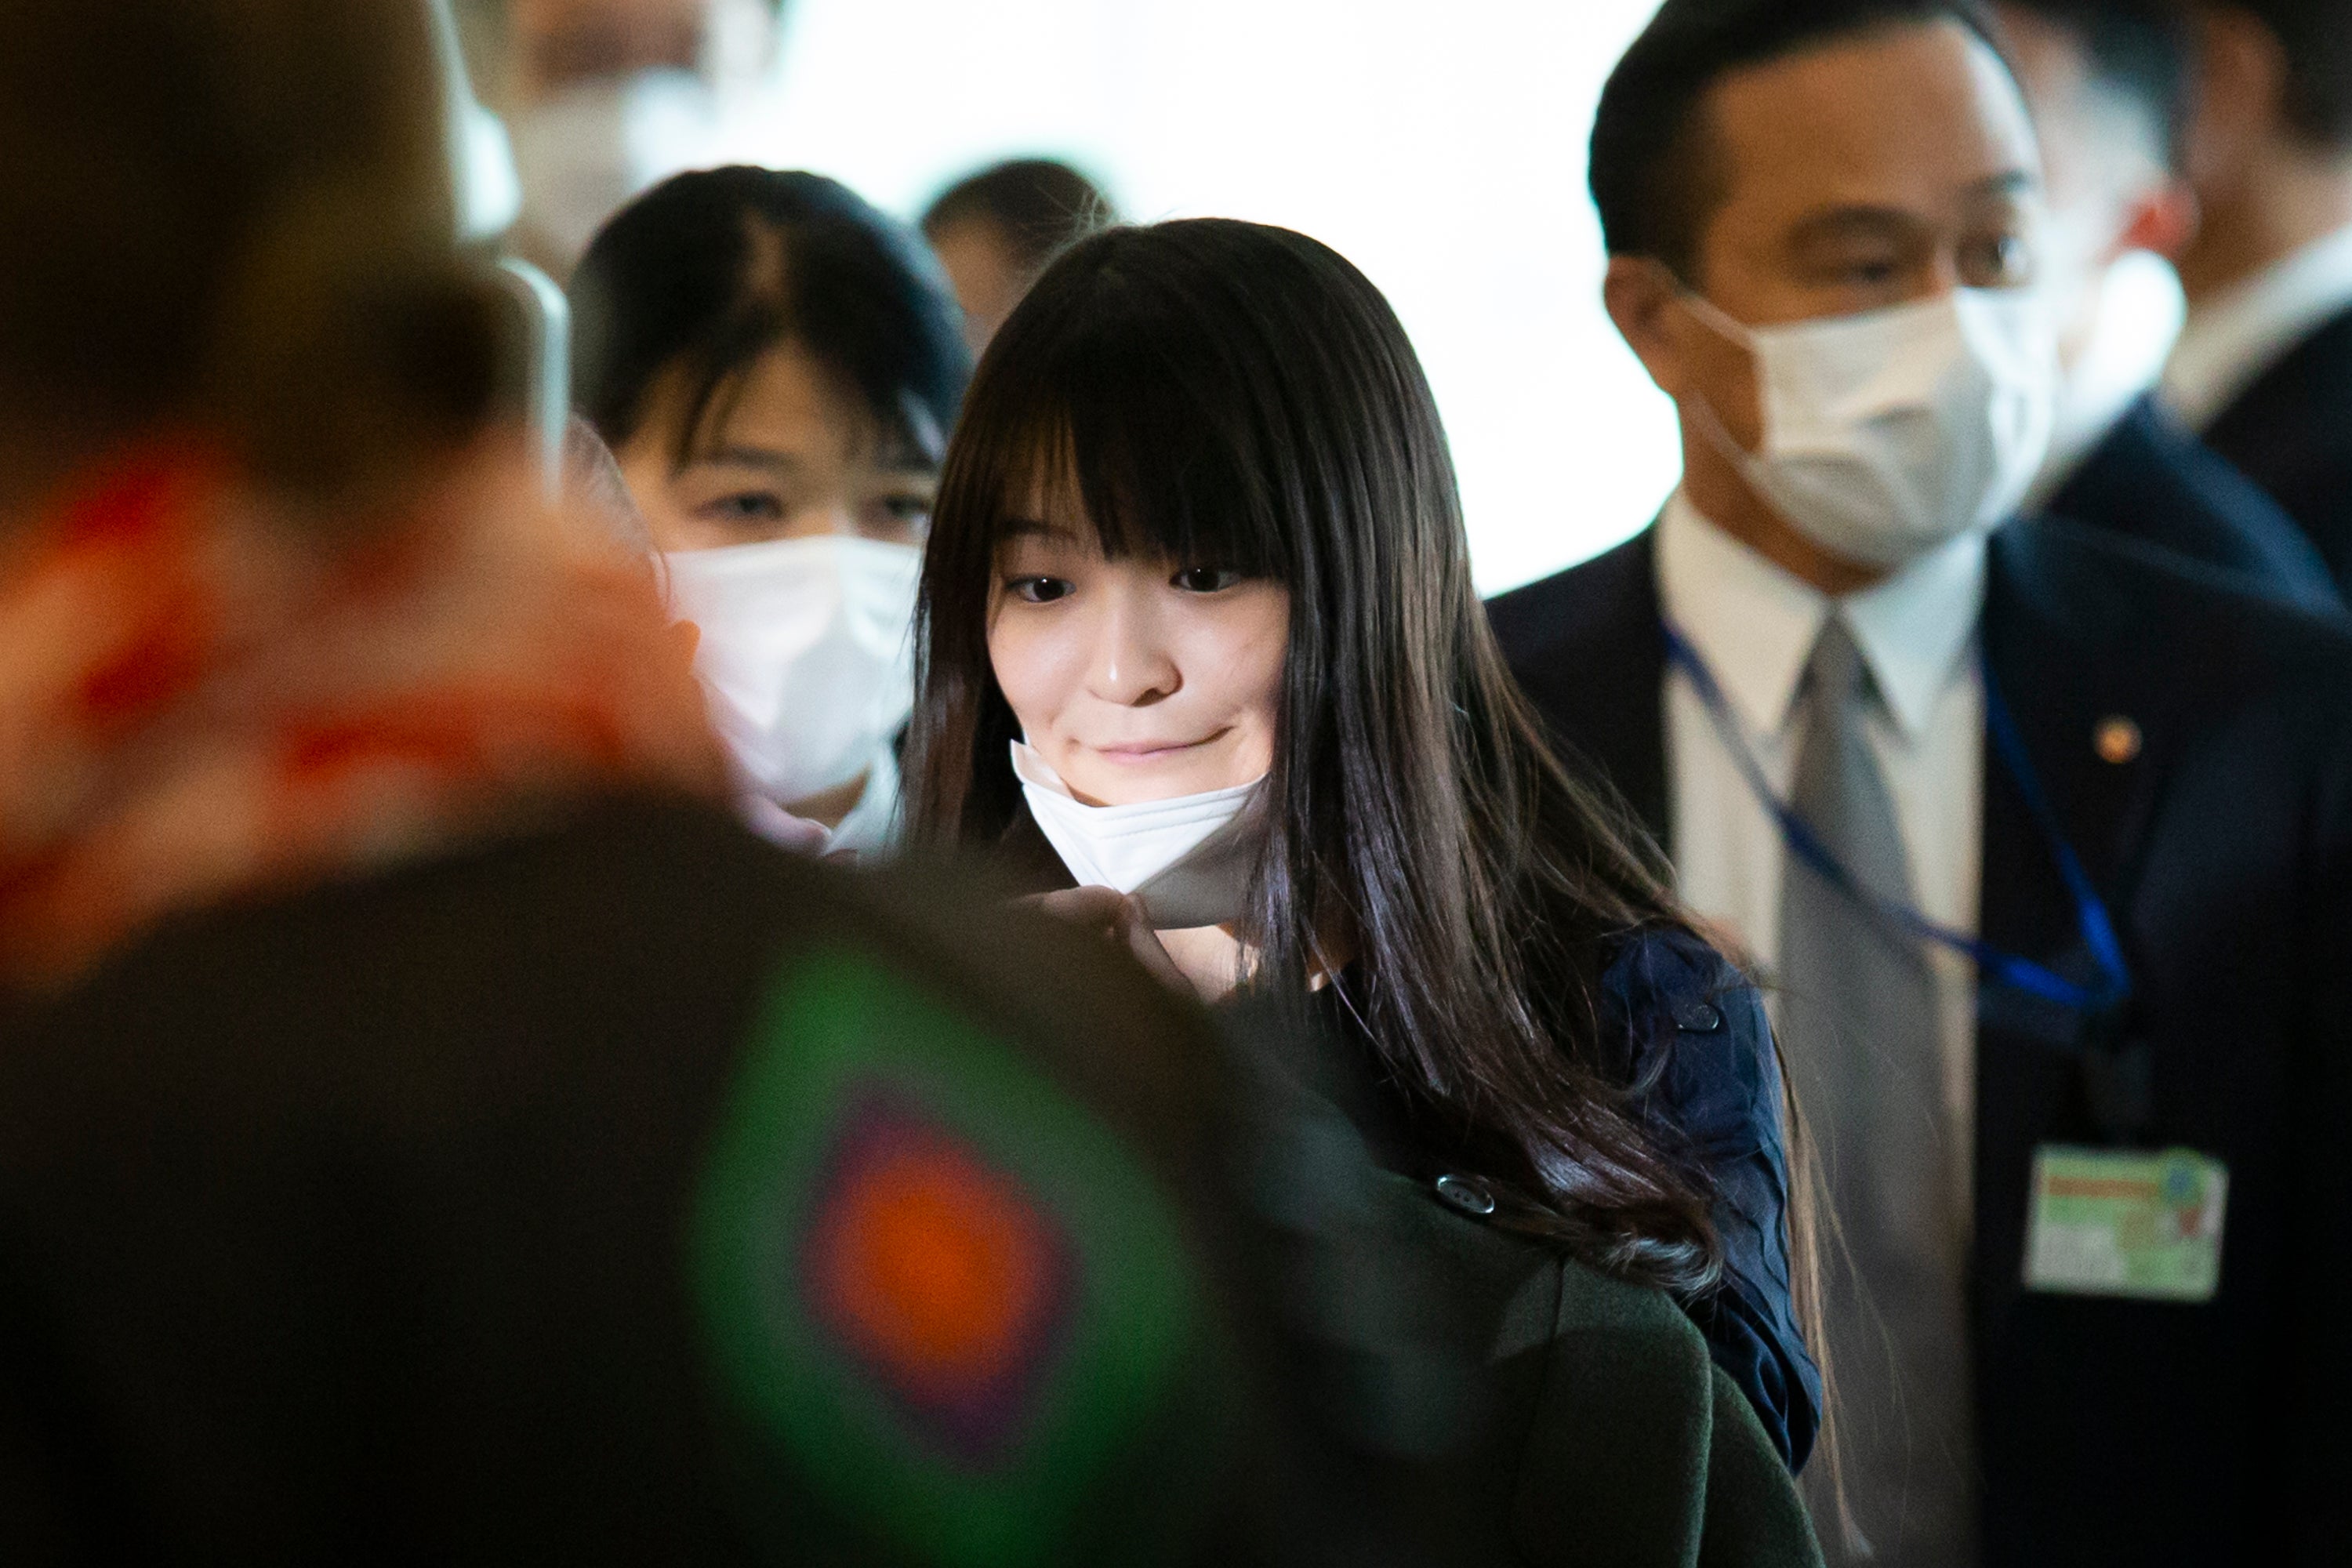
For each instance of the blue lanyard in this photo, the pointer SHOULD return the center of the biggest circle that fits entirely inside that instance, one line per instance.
(1992, 963)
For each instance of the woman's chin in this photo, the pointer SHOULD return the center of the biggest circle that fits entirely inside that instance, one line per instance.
(1129, 781)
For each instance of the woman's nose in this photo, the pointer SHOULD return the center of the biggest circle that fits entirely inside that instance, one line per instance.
(1132, 664)
(828, 514)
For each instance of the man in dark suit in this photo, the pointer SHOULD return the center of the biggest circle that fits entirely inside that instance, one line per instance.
(2264, 369)
(1921, 771)
(2107, 81)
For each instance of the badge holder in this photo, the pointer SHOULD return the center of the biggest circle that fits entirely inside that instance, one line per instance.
(2108, 1221)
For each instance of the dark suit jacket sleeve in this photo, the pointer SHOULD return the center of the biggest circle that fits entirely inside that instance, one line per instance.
(2151, 481)
(2291, 433)
(1698, 1039)
(2324, 1166)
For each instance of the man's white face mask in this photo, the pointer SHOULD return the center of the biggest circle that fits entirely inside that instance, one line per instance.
(805, 654)
(1891, 432)
(585, 153)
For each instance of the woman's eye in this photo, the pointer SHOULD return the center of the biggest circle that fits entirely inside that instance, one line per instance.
(752, 506)
(1206, 579)
(1039, 590)
(911, 512)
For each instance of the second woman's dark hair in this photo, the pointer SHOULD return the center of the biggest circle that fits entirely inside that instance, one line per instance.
(1225, 393)
(706, 272)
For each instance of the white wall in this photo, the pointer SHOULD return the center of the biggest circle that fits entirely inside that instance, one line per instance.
(1437, 143)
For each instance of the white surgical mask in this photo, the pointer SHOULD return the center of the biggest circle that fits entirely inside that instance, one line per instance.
(2135, 320)
(1188, 859)
(1889, 432)
(583, 153)
(804, 654)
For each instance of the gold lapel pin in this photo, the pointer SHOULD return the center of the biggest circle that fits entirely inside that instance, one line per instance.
(2116, 740)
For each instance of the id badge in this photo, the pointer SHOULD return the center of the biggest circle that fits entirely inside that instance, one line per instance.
(2107, 1222)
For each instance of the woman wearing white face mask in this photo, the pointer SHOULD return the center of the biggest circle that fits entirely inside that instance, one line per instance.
(776, 364)
(1198, 634)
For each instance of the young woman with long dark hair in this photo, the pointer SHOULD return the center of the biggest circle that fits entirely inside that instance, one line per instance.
(1197, 626)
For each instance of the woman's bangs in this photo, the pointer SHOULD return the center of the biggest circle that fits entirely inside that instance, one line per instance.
(1151, 465)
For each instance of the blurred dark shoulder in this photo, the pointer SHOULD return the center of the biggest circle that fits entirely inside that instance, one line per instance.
(361, 1221)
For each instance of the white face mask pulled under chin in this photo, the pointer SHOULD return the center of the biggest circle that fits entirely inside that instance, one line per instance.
(1889, 432)
(1190, 859)
(804, 654)
(585, 153)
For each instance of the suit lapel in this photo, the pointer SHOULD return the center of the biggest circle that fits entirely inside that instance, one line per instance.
(1602, 684)
(2049, 663)
(2095, 728)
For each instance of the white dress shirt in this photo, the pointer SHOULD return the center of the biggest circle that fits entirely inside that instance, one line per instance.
(2234, 338)
(1754, 626)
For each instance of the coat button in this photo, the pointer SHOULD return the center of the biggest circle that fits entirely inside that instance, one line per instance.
(1471, 1197)
(1696, 1018)
(2116, 740)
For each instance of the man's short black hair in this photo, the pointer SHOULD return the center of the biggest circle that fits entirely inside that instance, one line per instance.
(2316, 38)
(2142, 50)
(1039, 206)
(1654, 178)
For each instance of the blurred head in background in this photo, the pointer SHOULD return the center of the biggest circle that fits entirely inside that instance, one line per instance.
(235, 216)
(778, 367)
(2108, 83)
(995, 231)
(2269, 148)
(279, 595)
(604, 98)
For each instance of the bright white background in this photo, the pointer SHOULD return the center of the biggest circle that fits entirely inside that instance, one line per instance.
(1440, 147)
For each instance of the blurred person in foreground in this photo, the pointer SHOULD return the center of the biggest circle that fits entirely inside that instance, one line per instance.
(430, 1128)
(603, 98)
(2108, 83)
(2045, 838)
(777, 366)
(995, 230)
(2263, 369)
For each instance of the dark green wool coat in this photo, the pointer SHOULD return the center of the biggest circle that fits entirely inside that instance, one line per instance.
(1515, 1406)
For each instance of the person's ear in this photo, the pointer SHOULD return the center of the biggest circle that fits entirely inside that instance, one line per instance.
(1644, 299)
(2164, 219)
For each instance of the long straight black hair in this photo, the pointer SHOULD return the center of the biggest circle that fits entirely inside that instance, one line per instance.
(1227, 394)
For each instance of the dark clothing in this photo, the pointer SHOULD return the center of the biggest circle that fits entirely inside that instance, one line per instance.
(365, 1226)
(2110, 1430)
(2151, 481)
(1717, 1098)
(2291, 432)
(1700, 1025)
(1596, 1421)
(376, 1224)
